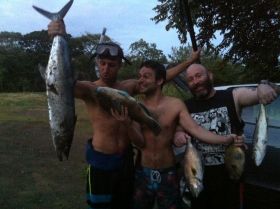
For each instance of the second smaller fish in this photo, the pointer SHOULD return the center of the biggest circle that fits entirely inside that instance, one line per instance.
(260, 138)
(113, 98)
(234, 161)
(193, 169)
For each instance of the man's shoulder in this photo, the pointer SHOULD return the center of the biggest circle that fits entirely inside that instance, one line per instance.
(87, 82)
(173, 100)
(129, 85)
(128, 81)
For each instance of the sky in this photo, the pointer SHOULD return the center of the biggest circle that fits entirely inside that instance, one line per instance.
(126, 21)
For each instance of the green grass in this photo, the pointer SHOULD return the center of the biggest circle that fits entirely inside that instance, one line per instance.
(31, 175)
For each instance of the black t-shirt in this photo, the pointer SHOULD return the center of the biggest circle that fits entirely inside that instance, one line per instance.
(218, 115)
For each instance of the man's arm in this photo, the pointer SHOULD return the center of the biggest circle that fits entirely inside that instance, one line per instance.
(244, 97)
(133, 129)
(174, 71)
(190, 126)
(85, 90)
(180, 137)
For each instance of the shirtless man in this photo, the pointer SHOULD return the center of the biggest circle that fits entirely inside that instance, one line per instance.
(156, 177)
(110, 179)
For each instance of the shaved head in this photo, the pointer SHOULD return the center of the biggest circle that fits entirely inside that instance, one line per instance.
(199, 81)
(196, 67)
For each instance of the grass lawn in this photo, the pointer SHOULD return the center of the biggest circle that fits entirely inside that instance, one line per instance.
(31, 175)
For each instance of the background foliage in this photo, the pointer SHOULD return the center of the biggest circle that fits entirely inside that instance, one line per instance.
(249, 31)
(248, 51)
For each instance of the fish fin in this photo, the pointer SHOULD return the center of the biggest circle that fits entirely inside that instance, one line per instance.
(59, 156)
(52, 88)
(116, 105)
(144, 108)
(123, 93)
(42, 71)
(67, 150)
(55, 16)
(194, 171)
(154, 126)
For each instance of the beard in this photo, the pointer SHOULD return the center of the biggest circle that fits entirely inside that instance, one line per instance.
(207, 86)
(149, 90)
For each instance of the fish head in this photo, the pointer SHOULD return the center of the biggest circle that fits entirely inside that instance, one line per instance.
(195, 186)
(258, 157)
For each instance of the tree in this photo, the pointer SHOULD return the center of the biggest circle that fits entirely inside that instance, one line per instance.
(138, 52)
(21, 54)
(82, 49)
(141, 50)
(250, 30)
(9, 40)
(178, 54)
(223, 70)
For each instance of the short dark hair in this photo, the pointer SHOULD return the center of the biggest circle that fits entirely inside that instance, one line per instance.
(158, 68)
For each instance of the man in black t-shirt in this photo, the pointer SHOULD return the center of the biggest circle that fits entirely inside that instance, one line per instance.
(220, 113)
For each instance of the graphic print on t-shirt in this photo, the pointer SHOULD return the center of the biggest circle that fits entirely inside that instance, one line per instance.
(217, 121)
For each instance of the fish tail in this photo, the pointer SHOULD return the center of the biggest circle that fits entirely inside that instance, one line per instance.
(63, 153)
(66, 152)
(59, 155)
(55, 16)
(154, 126)
(145, 109)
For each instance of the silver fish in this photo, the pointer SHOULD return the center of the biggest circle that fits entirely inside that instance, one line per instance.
(260, 138)
(193, 169)
(234, 161)
(59, 78)
(113, 98)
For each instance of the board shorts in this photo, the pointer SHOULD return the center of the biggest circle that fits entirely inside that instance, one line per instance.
(159, 185)
(110, 179)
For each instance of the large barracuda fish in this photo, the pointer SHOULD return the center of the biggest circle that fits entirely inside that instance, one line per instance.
(193, 169)
(234, 161)
(260, 138)
(59, 79)
(113, 98)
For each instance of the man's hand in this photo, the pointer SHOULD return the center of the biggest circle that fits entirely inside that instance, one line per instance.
(181, 138)
(239, 142)
(266, 93)
(195, 56)
(122, 116)
(56, 28)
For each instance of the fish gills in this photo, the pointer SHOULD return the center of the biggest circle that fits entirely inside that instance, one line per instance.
(260, 138)
(113, 98)
(193, 170)
(59, 78)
